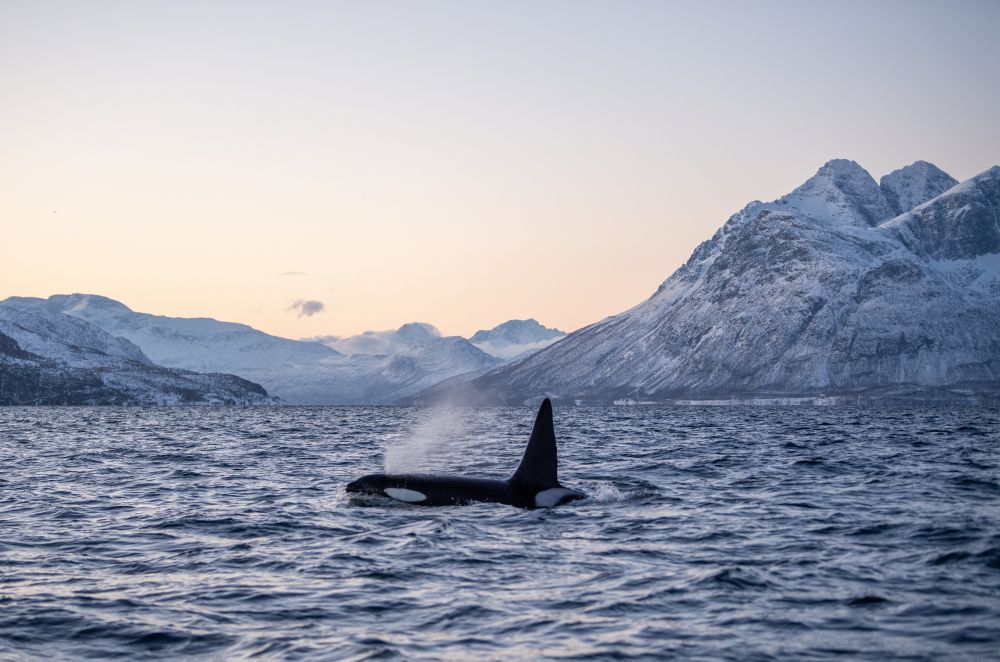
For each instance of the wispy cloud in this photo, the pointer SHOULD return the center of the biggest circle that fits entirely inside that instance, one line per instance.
(307, 307)
(293, 273)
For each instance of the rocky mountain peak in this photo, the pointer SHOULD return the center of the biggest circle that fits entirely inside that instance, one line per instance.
(417, 332)
(915, 184)
(517, 331)
(515, 338)
(841, 191)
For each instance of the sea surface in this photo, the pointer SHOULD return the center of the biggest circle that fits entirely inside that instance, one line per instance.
(745, 533)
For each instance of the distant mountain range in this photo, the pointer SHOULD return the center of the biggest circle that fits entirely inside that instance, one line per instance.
(845, 288)
(507, 341)
(371, 368)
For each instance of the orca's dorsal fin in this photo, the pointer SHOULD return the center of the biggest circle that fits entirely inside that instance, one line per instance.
(538, 466)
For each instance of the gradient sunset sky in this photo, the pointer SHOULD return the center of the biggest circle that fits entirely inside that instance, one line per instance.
(460, 163)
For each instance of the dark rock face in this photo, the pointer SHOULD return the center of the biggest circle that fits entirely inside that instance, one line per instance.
(964, 224)
(10, 349)
(810, 294)
(27, 379)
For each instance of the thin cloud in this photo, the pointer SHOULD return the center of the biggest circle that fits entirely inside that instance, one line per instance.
(293, 273)
(307, 307)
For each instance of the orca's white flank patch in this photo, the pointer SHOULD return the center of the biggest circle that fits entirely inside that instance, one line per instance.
(552, 497)
(409, 496)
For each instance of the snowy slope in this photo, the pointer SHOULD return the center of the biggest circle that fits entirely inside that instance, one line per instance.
(40, 330)
(819, 292)
(515, 339)
(201, 344)
(51, 358)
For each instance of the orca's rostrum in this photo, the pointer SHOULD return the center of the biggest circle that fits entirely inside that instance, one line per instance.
(535, 484)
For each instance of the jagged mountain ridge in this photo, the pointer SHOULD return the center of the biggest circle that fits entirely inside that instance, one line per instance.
(50, 358)
(823, 291)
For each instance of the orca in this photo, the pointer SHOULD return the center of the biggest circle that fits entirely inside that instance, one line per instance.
(535, 484)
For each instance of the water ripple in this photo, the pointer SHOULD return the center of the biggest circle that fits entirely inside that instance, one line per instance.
(745, 533)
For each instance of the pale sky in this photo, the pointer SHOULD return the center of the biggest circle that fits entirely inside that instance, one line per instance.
(459, 163)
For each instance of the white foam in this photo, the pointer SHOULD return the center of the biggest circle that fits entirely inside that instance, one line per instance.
(607, 493)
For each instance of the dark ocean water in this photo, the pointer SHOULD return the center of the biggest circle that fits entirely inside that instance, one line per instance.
(714, 533)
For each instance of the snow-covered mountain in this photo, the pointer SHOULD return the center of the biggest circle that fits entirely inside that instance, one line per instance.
(399, 362)
(914, 185)
(421, 366)
(515, 339)
(198, 343)
(843, 287)
(47, 357)
(414, 357)
(388, 342)
(42, 330)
